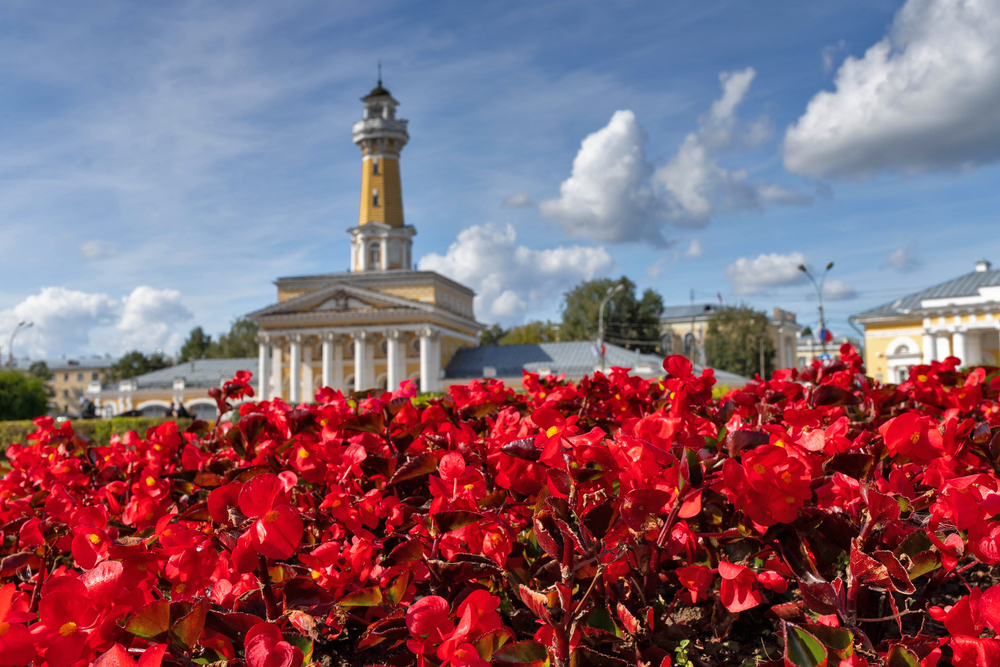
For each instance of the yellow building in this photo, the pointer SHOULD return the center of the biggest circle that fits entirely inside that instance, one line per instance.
(70, 379)
(682, 331)
(960, 318)
(380, 323)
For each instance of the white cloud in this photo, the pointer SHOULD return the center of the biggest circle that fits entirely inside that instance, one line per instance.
(655, 270)
(98, 249)
(922, 98)
(904, 259)
(753, 276)
(615, 195)
(830, 52)
(72, 322)
(510, 280)
(694, 249)
(518, 200)
(837, 290)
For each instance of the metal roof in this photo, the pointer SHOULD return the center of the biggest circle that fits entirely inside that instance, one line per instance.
(199, 374)
(67, 364)
(688, 311)
(967, 285)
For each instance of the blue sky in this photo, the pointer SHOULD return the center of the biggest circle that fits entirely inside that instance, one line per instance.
(162, 163)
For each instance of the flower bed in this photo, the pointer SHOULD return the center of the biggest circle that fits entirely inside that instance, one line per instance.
(819, 518)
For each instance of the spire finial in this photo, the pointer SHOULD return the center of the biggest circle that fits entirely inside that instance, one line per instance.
(380, 72)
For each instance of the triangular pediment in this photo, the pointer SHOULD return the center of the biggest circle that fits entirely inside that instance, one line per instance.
(342, 298)
(344, 301)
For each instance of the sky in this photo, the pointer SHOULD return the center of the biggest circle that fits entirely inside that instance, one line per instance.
(161, 164)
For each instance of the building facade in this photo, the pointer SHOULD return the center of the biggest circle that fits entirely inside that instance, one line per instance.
(69, 379)
(682, 331)
(960, 318)
(380, 323)
(808, 348)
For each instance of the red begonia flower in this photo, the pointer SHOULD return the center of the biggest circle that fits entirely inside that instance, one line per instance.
(265, 647)
(278, 529)
(739, 587)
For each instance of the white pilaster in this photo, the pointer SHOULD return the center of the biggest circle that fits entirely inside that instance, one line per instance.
(338, 364)
(942, 346)
(974, 348)
(430, 359)
(263, 367)
(392, 359)
(960, 350)
(928, 347)
(360, 357)
(277, 352)
(307, 370)
(327, 359)
(295, 369)
(385, 252)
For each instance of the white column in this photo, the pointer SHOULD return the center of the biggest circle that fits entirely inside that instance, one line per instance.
(974, 348)
(362, 253)
(295, 369)
(392, 359)
(277, 361)
(385, 253)
(958, 341)
(338, 364)
(327, 359)
(360, 357)
(307, 370)
(928, 347)
(430, 363)
(263, 367)
(942, 349)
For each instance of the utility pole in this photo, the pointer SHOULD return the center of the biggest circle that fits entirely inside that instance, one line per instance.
(819, 297)
(600, 320)
(10, 348)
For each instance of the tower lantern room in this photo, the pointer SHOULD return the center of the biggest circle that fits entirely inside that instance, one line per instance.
(382, 240)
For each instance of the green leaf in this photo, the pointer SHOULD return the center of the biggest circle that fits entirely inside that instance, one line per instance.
(366, 597)
(529, 654)
(151, 620)
(187, 630)
(304, 643)
(803, 649)
(839, 639)
(397, 589)
(453, 520)
(901, 657)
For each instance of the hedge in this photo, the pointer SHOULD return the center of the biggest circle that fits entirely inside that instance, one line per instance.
(99, 430)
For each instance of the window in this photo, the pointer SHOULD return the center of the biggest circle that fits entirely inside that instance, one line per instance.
(688, 344)
(65, 393)
(375, 197)
(65, 377)
(93, 376)
(79, 377)
(374, 256)
(902, 349)
(902, 374)
(375, 167)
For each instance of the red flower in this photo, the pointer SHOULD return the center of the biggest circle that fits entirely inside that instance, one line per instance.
(278, 529)
(696, 579)
(265, 647)
(16, 645)
(739, 587)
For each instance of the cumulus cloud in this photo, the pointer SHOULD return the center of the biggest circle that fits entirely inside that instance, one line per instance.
(753, 276)
(510, 279)
(904, 259)
(922, 98)
(98, 249)
(838, 290)
(615, 195)
(694, 249)
(830, 52)
(74, 322)
(518, 200)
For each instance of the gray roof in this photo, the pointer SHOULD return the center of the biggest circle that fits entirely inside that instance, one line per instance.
(688, 311)
(67, 364)
(967, 285)
(575, 358)
(199, 374)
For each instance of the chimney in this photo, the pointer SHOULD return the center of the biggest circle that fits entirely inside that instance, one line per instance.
(982, 266)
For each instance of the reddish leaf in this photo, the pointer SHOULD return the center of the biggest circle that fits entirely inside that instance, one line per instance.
(640, 504)
(151, 620)
(187, 630)
(366, 597)
(423, 464)
(526, 654)
(522, 449)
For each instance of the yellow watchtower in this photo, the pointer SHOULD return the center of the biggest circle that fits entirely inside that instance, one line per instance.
(381, 241)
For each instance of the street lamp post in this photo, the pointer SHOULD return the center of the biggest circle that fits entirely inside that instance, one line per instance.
(819, 296)
(10, 348)
(600, 320)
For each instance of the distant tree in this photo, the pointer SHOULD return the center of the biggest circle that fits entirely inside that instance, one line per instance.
(136, 363)
(491, 335)
(240, 342)
(531, 332)
(22, 396)
(40, 370)
(196, 346)
(806, 330)
(628, 321)
(733, 341)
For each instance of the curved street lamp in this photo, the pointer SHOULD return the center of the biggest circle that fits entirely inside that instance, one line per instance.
(819, 296)
(600, 319)
(10, 348)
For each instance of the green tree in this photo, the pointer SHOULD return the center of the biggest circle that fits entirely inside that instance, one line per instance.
(40, 370)
(806, 330)
(491, 335)
(240, 342)
(628, 321)
(136, 363)
(196, 346)
(733, 341)
(22, 396)
(531, 332)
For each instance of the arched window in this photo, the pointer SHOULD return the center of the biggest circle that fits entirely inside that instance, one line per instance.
(688, 343)
(902, 349)
(375, 197)
(374, 256)
(375, 166)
